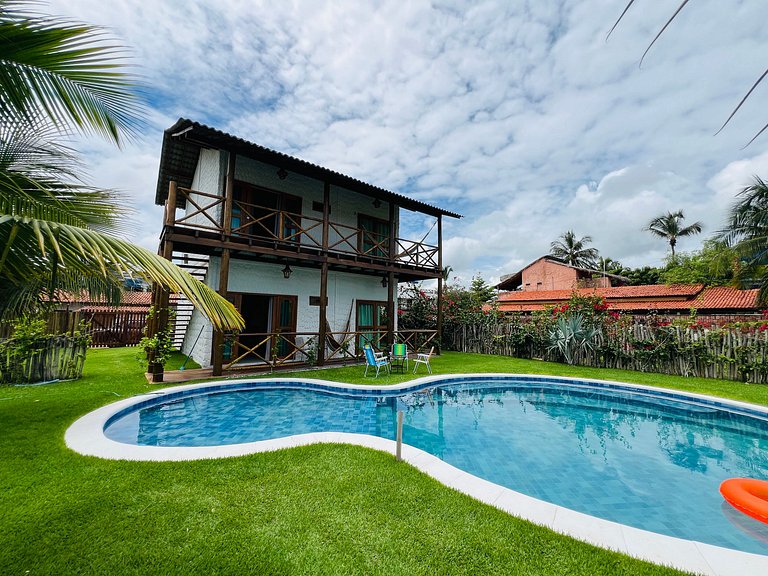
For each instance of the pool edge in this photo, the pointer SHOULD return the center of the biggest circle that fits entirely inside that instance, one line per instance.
(86, 436)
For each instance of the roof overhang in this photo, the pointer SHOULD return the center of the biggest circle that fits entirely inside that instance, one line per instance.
(181, 147)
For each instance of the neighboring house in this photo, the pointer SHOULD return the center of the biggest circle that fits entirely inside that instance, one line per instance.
(306, 254)
(715, 302)
(550, 273)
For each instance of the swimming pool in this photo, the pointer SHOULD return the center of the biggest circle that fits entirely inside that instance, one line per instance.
(639, 457)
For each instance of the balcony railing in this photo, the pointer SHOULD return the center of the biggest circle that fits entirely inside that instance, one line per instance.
(262, 224)
(283, 349)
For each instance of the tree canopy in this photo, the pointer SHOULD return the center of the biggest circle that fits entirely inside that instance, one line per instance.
(56, 232)
(574, 250)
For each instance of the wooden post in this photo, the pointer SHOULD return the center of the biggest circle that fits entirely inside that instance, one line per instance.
(391, 278)
(217, 347)
(323, 319)
(170, 205)
(160, 300)
(217, 351)
(440, 283)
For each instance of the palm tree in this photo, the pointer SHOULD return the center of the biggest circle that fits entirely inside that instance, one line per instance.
(747, 232)
(574, 251)
(668, 226)
(609, 265)
(57, 233)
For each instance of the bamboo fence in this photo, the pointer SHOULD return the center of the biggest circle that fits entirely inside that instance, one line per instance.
(60, 358)
(727, 353)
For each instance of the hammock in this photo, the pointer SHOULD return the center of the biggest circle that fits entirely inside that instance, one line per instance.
(332, 343)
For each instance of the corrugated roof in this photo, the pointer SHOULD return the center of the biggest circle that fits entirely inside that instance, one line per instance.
(183, 140)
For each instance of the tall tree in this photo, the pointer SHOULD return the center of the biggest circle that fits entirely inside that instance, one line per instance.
(668, 226)
(574, 251)
(480, 291)
(608, 265)
(56, 232)
(747, 232)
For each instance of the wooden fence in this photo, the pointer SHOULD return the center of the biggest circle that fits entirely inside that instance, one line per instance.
(58, 358)
(109, 328)
(727, 353)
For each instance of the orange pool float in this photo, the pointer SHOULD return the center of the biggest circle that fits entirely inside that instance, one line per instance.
(747, 495)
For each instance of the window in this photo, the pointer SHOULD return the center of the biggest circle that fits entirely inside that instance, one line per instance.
(265, 213)
(373, 238)
(372, 323)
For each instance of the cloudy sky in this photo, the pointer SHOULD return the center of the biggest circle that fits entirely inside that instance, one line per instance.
(517, 114)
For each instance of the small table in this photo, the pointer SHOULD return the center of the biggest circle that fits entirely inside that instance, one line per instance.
(398, 363)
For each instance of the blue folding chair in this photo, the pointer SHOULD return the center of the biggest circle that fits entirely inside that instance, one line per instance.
(372, 360)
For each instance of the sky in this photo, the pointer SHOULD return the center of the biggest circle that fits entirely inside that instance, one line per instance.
(519, 115)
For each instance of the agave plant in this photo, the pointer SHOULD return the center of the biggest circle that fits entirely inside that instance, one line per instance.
(572, 337)
(56, 233)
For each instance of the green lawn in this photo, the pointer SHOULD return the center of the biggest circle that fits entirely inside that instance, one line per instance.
(326, 509)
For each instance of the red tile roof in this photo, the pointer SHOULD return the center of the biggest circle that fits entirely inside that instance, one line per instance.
(639, 298)
(130, 299)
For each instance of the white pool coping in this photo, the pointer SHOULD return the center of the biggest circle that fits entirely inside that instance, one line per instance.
(86, 436)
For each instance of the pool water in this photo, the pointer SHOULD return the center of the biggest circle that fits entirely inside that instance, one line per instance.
(650, 461)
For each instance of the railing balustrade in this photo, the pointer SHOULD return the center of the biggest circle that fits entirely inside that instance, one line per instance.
(264, 224)
(281, 349)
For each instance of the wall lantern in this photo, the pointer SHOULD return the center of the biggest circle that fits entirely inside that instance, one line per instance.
(282, 174)
(377, 203)
(384, 282)
(287, 271)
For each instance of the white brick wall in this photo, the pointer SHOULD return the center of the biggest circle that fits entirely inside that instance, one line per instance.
(262, 278)
(344, 290)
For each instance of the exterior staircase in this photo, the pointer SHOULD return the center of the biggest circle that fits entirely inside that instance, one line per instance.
(197, 266)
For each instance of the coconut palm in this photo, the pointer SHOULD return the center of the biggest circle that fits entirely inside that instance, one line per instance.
(574, 251)
(57, 233)
(747, 232)
(668, 227)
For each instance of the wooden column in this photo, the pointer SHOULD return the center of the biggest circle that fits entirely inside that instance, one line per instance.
(391, 278)
(170, 205)
(323, 321)
(217, 347)
(440, 283)
(161, 297)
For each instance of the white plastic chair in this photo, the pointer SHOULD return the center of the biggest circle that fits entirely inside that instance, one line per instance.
(422, 358)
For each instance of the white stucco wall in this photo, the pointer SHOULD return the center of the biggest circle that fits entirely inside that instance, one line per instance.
(210, 174)
(263, 278)
(344, 290)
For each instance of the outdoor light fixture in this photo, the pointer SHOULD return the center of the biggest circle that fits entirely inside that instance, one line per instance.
(287, 271)
(282, 174)
(384, 282)
(376, 203)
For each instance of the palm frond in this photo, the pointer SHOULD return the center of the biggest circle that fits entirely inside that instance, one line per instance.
(31, 245)
(67, 72)
(39, 179)
(663, 28)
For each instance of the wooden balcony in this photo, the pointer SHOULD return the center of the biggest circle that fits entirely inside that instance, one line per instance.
(266, 233)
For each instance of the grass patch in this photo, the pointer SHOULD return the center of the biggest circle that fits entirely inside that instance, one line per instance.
(326, 509)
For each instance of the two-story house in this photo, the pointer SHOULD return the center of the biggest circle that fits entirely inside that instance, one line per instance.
(309, 256)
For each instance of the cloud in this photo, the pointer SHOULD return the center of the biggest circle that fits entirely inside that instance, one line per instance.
(518, 115)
